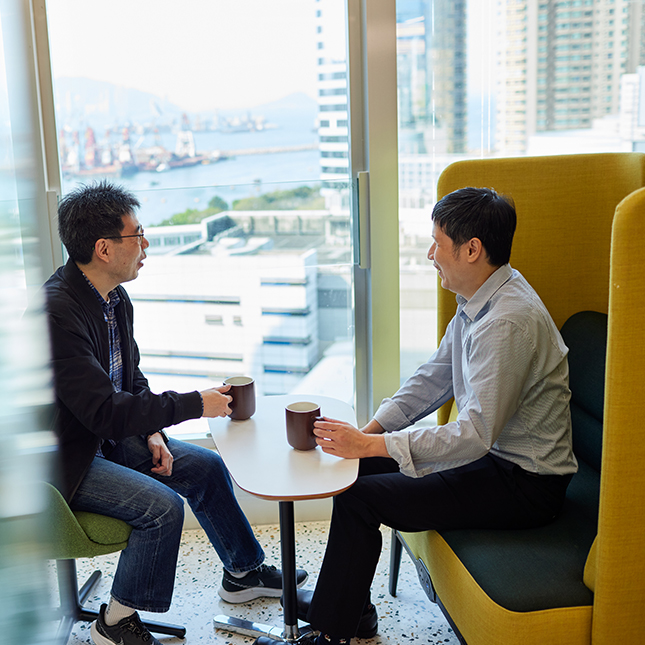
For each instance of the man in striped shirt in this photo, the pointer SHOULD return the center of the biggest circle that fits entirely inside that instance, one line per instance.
(507, 459)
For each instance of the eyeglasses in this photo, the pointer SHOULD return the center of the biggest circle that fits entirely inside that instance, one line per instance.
(121, 237)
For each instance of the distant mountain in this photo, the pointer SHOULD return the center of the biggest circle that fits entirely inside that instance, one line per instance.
(83, 101)
(285, 112)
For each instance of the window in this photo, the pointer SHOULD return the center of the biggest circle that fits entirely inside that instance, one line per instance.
(464, 92)
(438, 126)
(226, 160)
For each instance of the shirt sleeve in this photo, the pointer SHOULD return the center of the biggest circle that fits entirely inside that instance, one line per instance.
(496, 362)
(424, 392)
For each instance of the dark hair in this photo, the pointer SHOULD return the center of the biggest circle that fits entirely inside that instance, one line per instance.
(91, 212)
(482, 213)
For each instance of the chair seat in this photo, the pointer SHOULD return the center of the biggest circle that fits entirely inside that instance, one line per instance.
(536, 569)
(103, 530)
(84, 535)
(81, 534)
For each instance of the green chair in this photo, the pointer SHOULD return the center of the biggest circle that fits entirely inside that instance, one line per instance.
(84, 535)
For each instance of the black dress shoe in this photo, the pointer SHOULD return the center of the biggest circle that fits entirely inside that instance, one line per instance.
(367, 626)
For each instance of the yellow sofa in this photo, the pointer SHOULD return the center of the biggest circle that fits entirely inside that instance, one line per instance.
(564, 246)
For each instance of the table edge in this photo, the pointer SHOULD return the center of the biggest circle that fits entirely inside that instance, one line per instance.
(296, 498)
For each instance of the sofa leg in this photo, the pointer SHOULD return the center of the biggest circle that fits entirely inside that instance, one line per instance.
(395, 562)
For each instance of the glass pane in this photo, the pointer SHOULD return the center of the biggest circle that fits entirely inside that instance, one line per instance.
(26, 442)
(229, 122)
(503, 78)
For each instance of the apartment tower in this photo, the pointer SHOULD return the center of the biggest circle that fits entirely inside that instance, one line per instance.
(560, 64)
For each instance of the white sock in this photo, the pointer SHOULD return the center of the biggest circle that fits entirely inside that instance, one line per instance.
(116, 611)
(237, 574)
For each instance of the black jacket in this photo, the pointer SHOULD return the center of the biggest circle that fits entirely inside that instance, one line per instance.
(88, 408)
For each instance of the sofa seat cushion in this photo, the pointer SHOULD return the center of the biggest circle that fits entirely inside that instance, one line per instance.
(534, 569)
(482, 621)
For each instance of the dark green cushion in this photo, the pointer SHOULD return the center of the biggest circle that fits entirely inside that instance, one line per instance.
(535, 569)
(585, 334)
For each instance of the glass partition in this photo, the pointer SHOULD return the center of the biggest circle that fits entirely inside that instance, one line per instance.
(26, 442)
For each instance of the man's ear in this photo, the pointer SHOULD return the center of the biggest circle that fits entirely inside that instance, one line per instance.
(474, 249)
(102, 250)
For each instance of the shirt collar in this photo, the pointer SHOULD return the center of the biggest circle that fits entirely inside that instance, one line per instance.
(113, 296)
(479, 303)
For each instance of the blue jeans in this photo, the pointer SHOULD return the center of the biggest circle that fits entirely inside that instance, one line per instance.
(122, 486)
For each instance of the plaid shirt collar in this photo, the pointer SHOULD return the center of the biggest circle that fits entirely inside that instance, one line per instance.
(116, 360)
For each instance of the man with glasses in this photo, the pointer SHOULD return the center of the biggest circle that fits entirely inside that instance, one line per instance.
(115, 458)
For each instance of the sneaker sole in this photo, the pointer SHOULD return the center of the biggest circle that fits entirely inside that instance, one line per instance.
(97, 638)
(246, 595)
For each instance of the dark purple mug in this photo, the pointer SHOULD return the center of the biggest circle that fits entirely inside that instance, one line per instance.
(243, 392)
(300, 424)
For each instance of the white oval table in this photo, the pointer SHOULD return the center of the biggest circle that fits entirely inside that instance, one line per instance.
(261, 462)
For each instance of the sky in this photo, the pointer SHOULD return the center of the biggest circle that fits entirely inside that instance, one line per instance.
(206, 54)
(199, 54)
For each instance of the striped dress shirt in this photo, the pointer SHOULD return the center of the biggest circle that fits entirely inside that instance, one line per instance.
(505, 363)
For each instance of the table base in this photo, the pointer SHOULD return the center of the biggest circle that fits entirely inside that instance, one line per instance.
(290, 632)
(265, 640)
(249, 628)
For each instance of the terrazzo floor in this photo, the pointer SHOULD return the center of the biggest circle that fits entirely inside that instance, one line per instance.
(408, 618)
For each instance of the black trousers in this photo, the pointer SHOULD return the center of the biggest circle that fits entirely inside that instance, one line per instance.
(488, 493)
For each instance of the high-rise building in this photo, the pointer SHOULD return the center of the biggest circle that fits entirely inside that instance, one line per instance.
(632, 109)
(431, 66)
(560, 64)
(332, 91)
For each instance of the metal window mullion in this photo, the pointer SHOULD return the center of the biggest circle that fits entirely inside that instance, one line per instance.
(373, 149)
(48, 130)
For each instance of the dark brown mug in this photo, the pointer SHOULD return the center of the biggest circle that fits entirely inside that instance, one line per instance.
(300, 424)
(243, 392)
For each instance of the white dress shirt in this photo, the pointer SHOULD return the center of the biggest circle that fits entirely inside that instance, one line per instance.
(504, 361)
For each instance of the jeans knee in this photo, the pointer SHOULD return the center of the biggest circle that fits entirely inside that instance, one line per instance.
(176, 510)
(211, 462)
(219, 481)
(166, 510)
(194, 463)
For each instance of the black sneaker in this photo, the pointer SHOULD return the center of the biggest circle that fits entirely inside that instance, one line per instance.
(128, 631)
(263, 582)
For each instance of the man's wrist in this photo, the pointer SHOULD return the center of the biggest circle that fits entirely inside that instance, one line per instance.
(163, 434)
(376, 446)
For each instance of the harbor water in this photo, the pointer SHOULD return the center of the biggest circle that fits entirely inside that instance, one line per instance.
(162, 194)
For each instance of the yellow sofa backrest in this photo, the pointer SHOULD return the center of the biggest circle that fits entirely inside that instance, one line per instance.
(619, 602)
(565, 207)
